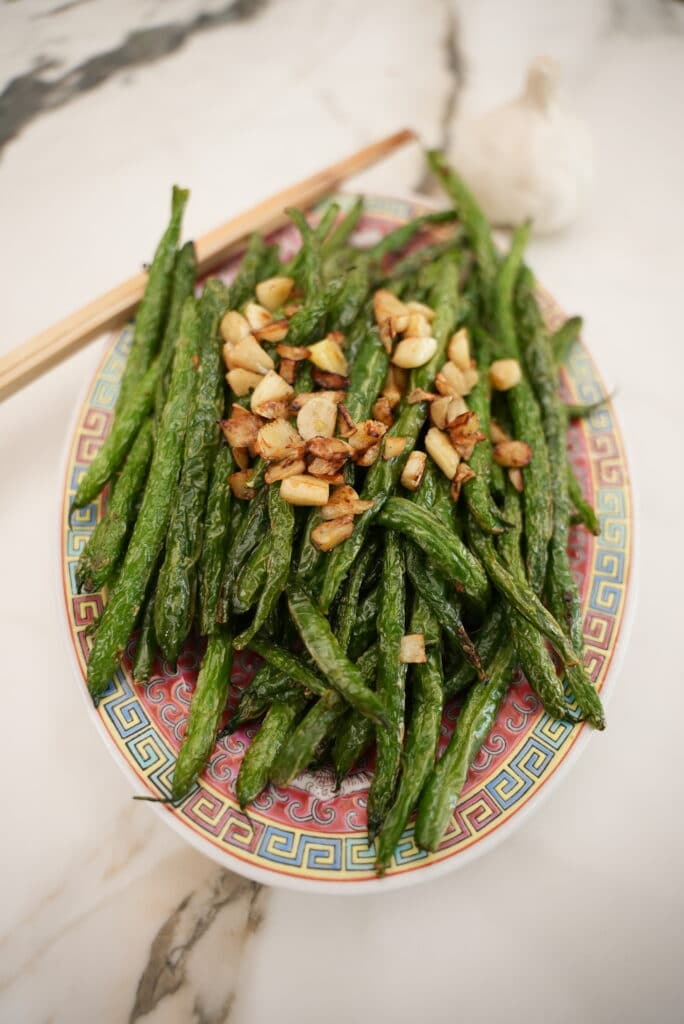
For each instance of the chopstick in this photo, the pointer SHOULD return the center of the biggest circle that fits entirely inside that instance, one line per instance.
(28, 361)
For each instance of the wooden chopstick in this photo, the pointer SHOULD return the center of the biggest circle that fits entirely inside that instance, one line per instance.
(28, 361)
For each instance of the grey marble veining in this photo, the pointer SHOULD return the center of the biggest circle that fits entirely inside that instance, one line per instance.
(649, 16)
(168, 967)
(33, 93)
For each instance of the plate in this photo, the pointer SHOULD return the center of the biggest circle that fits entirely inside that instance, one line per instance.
(305, 835)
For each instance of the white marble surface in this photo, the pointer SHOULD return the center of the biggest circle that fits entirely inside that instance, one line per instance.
(105, 914)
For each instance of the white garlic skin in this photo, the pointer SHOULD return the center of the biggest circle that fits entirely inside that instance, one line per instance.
(527, 159)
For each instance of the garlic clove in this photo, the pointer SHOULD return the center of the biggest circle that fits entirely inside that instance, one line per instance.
(528, 159)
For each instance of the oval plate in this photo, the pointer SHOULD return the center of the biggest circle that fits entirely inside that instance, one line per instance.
(306, 835)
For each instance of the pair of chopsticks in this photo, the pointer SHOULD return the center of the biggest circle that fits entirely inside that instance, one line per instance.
(28, 361)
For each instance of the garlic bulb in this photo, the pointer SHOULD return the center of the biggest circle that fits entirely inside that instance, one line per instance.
(528, 159)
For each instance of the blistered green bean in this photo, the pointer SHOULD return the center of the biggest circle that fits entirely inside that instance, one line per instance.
(257, 764)
(565, 338)
(119, 441)
(215, 539)
(150, 528)
(182, 286)
(445, 783)
(174, 604)
(152, 312)
(326, 652)
(105, 547)
(206, 708)
(390, 682)
(422, 736)
(585, 510)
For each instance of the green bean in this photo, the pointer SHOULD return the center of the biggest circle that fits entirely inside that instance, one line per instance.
(258, 262)
(349, 610)
(445, 301)
(422, 737)
(304, 381)
(562, 592)
(310, 557)
(585, 694)
(309, 321)
(215, 539)
(582, 411)
(587, 514)
(427, 255)
(246, 538)
(252, 578)
(307, 268)
(290, 665)
(365, 626)
(281, 520)
(431, 589)
(152, 311)
(487, 642)
(565, 337)
(527, 422)
(177, 586)
(257, 763)
(383, 476)
(339, 263)
(367, 376)
(206, 708)
(426, 279)
(325, 224)
(326, 652)
(256, 705)
(433, 495)
(470, 215)
(352, 739)
(478, 714)
(266, 686)
(401, 236)
(118, 442)
(533, 655)
(520, 595)
(497, 479)
(390, 683)
(146, 648)
(342, 231)
(182, 286)
(106, 545)
(257, 472)
(357, 333)
(477, 494)
(299, 748)
(352, 296)
(315, 728)
(356, 630)
(307, 260)
(537, 666)
(238, 511)
(428, 491)
(446, 549)
(150, 528)
(563, 600)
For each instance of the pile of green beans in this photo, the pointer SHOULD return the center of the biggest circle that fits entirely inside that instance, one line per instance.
(431, 595)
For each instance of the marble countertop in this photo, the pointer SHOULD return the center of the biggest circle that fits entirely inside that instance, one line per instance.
(107, 915)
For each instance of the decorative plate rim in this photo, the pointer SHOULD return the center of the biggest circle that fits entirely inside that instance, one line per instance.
(420, 871)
